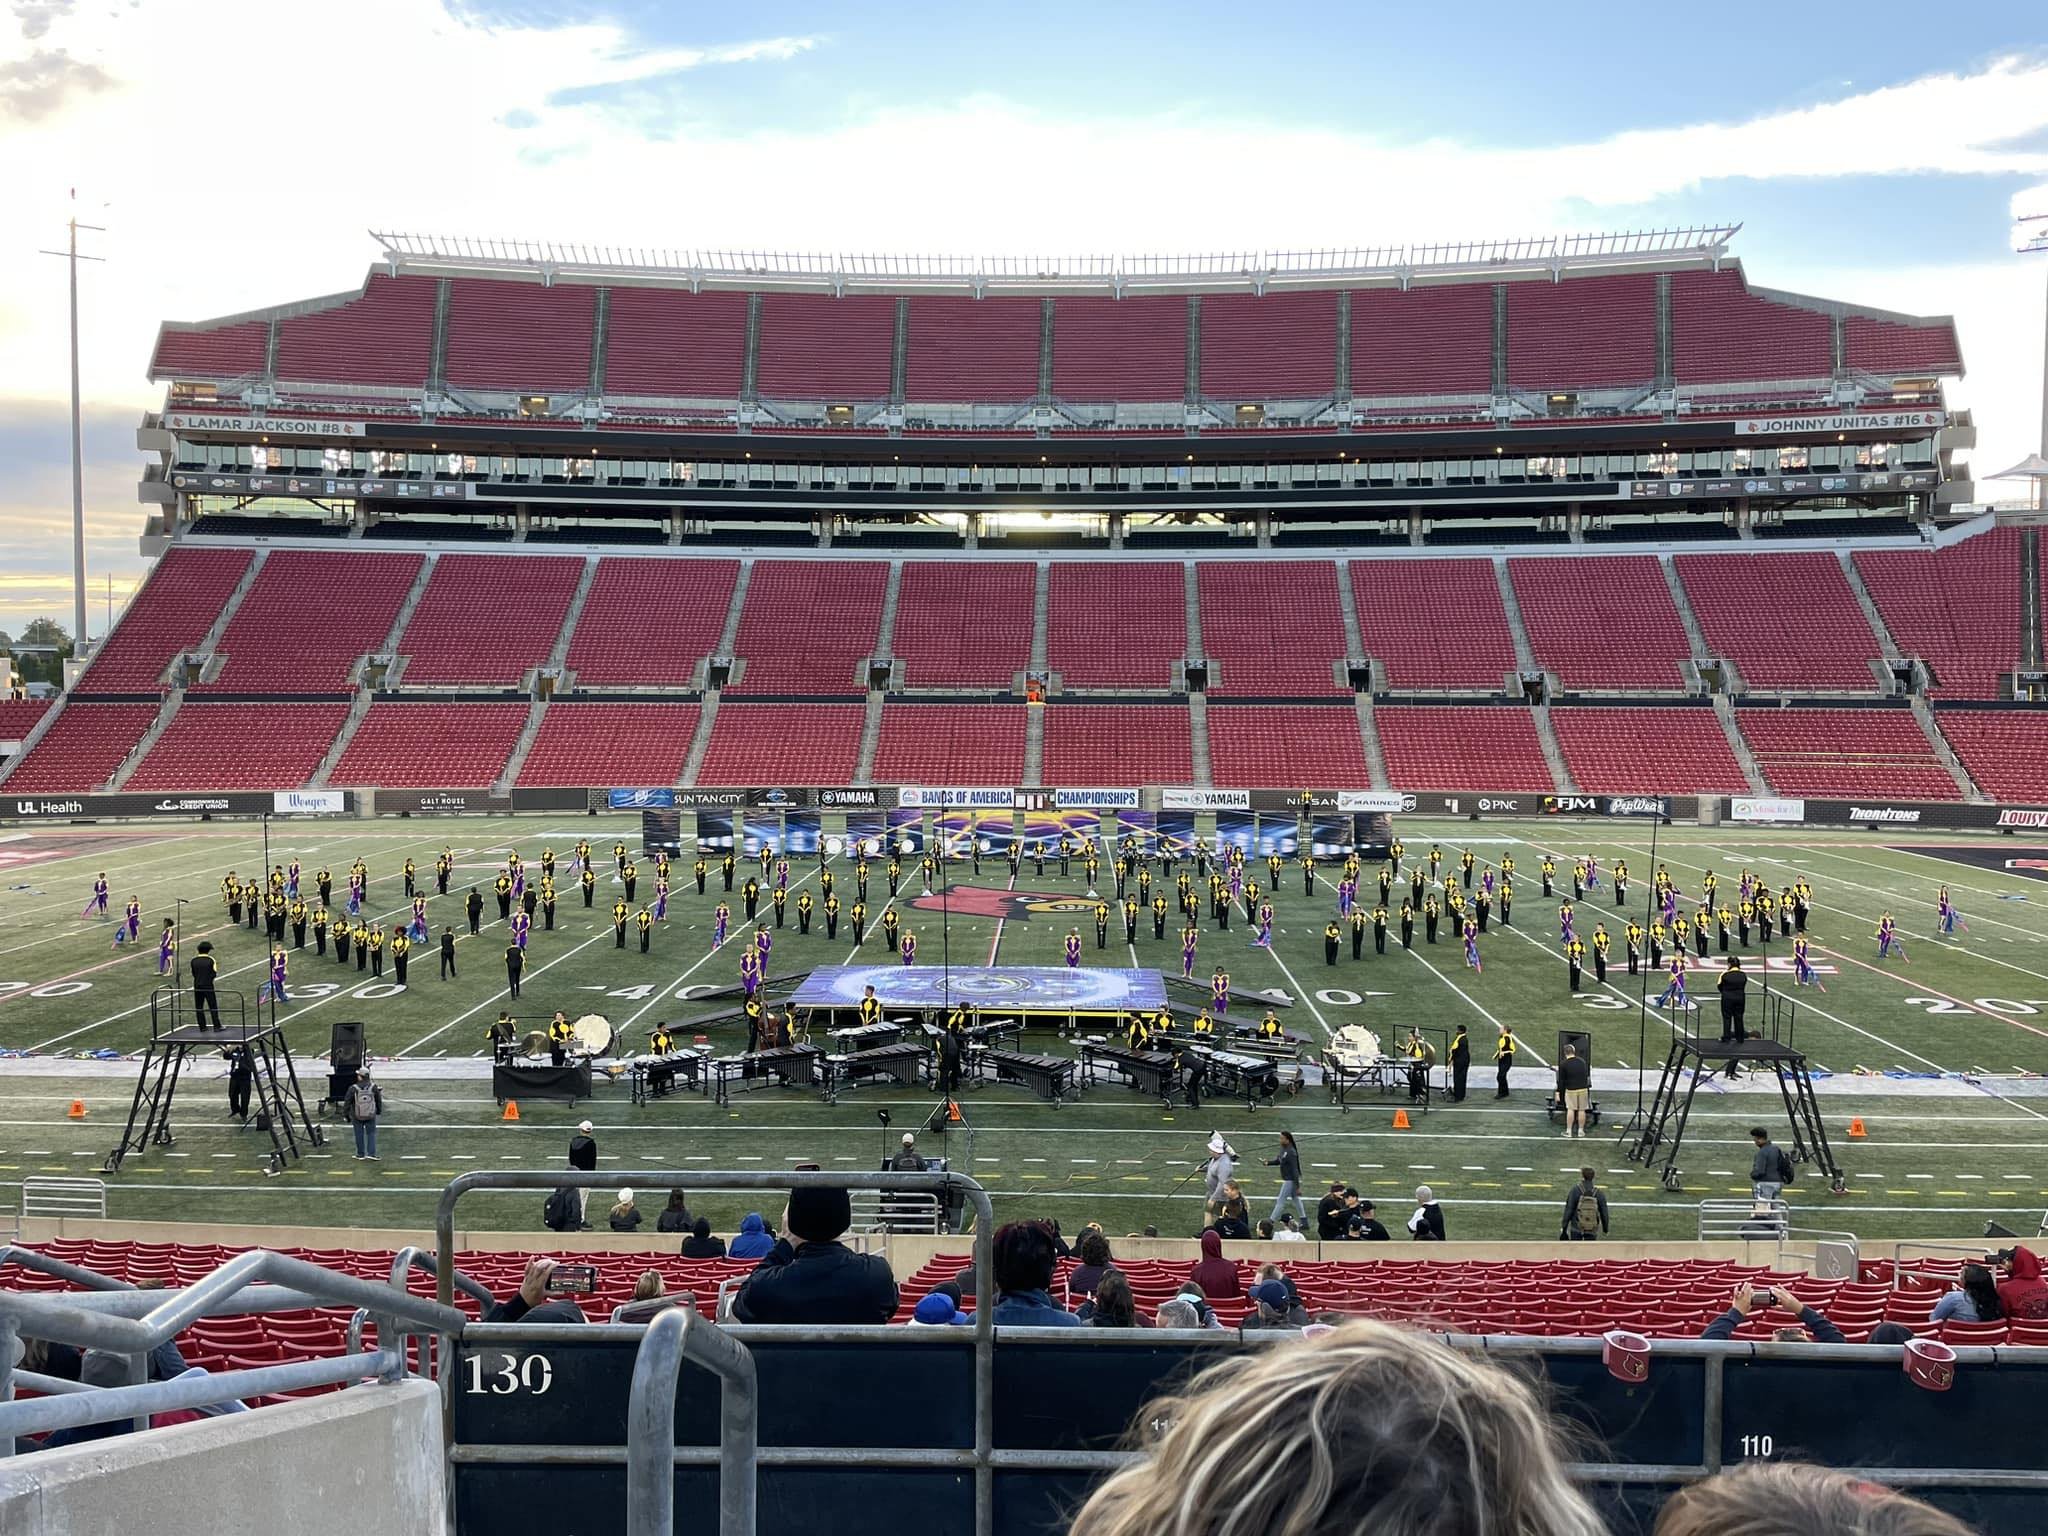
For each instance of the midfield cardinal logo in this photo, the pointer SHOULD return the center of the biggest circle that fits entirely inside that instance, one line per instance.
(992, 901)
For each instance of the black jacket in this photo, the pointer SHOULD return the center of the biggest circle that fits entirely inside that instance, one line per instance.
(1289, 1164)
(583, 1154)
(817, 1283)
(1330, 1218)
(203, 972)
(695, 1247)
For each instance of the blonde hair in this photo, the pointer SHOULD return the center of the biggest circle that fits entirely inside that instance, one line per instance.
(649, 1285)
(1369, 1428)
(1765, 1498)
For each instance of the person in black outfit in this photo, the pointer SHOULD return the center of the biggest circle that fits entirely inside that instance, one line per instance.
(583, 1159)
(475, 907)
(810, 1277)
(241, 1078)
(1461, 1063)
(1331, 1216)
(1734, 989)
(515, 962)
(204, 970)
(447, 953)
(700, 1244)
(949, 1061)
(1193, 1074)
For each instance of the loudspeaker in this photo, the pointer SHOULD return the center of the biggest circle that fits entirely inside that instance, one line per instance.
(1578, 1037)
(345, 1045)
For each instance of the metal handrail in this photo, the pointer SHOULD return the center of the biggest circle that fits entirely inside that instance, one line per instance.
(410, 1258)
(49, 1264)
(674, 1336)
(937, 1183)
(98, 1405)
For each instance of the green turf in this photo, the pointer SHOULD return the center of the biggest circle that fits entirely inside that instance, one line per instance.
(1978, 1003)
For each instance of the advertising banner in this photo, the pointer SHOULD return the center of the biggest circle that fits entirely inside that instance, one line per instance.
(916, 796)
(309, 802)
(1093, 799)
(1206, 799)
(640, 799)
(442, 802)
(1754, 809)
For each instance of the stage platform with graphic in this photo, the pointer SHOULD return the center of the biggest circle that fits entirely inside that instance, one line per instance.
(1018, 989)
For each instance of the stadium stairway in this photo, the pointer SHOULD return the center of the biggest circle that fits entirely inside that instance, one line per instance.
(558, 658)
(1887, 646)
(1041, 606)
(892, 598)
(358, 707)
(1943, 752)
(1724, 711)
(406, 610)
(1553, 754)
(1525, 653)
(1198, 738)
(1684, 606)
(729, 637)
(210, 641)
(140, 750)
(1375, 756)
(707, 716)
(870, 736)
(529, 732)
(1347, 605)
(1034, 747)
(1194, 609)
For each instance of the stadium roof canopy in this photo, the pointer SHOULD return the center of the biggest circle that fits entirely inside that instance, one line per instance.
(1255, 272)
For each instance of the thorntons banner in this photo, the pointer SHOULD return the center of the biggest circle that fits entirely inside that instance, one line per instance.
(1940, 815)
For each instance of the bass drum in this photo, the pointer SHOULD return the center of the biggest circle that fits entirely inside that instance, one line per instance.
(594, 1035)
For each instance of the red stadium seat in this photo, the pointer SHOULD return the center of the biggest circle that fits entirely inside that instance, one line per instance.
(177, 605)
(407, 745)
(1434, 623)
(1845, 752)
(83, 747)
(487, 619)
(627, 745)
(1116, 625)
(1788, 621)
(1451, 747)
(951, 744)
(963, 625)
(650, 622)
(806, 626)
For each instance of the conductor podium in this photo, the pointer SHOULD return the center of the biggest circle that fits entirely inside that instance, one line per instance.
(276, 1105)
(1693, 1056)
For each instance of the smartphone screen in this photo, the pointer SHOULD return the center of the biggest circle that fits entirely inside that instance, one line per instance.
(572, 1280)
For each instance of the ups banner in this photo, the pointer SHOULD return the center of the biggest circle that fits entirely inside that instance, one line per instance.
(228, 803)
(1941, 815)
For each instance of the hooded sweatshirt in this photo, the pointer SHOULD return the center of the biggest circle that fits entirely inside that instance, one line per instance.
(2024, 1293)
(753, 1241)
(1216, 1275)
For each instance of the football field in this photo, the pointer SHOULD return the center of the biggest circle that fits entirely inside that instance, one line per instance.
(1937, 1053)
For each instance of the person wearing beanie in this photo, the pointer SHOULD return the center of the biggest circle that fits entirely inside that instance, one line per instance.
(1277, 1307)
(809, 1276)
(700, 1244)
(625, 1215)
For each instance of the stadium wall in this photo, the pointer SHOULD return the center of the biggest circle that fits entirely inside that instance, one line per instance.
(367, 1460)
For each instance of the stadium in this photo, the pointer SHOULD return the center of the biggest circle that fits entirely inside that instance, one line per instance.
(765, 718)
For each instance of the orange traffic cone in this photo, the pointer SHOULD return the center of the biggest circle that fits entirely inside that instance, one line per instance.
(953, 1111)
(1856, 1131)
(77, 1111)
(1401, 1120)
(511, 1109)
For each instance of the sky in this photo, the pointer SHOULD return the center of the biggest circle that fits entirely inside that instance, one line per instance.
(238, 154)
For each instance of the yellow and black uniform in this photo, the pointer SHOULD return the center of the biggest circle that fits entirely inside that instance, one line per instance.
(1251, 900)
(750, 896)
(401, 949)
(644, 921)
(1204, 1025)
(547, 863)
(298, 914)
(870, 1009)
(1332, 937)
(359, 936)
(1395, 850)
(1101, 925)
(320, 931)
(895, 875)
(589, 883)
(502, 887)
(1379, 930)
(515, 967)
(1358, 933)
(700, 869)
(1407, 926)
(502, 1037)
(1430, 913)
(725, 868)
(890, 924)
(1137, 1033)
(629, 872)
(780, 901)
(620, 912)
(1656, 946)
(1269, 1026)
(619, 857)
(1503, 1058)
(1575, 954)
(1549, 868)
(1507, 904)
(1465, 862)
(1632, 937)
(1681, 933)
(803, 912)
(831, 914)
(1308, 875)
(1723, 919)
(859, 915)
(377, 951)
(660, 1042)
(547, 901)
(561, 1035)
(825, 882)
(411, 879)
(1159, 916)
(751, 1008)
(1601, 942)
(1130, 920)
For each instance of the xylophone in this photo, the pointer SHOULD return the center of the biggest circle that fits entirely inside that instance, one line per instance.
(793, 1066)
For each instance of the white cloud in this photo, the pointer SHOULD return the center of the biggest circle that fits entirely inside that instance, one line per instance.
(244, 148)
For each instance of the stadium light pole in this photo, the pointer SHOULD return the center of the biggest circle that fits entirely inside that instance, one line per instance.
(2036, 244)
(71, 255)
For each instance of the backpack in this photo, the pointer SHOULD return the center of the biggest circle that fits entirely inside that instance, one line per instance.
(1587, 1210)
(364, 1103)
(1785, 1170)
(561, 1213)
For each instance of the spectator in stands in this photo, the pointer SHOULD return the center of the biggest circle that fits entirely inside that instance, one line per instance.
(675, 1216)
(1426, 1221)
(1113, 1305)
(2021, 1291)
(1368, 1427)
(1890, 1333)
(1179, 1313)
(1024, 1258)
(937, 1310)
(809, 1276)
(1205, 1315)
(1333, 1213)
(700, 1244)
(1093, 1249)
(1216, 1275)
(1812, 1327)
(625, 1215)
(1278, 1307)
(752, 1241)
(531, 1302)
(649, 1285)
(1788, 1498)
(1585, 1210)
(1974, 1300)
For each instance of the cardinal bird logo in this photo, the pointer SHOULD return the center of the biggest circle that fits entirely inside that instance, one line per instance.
(991, 901)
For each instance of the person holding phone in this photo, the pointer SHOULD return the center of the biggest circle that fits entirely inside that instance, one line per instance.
(809, 1276)
(1813, 1326)
(541, 1299)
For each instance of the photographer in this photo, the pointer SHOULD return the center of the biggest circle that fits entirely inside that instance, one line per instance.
(1813, 1327)
(536, 1300)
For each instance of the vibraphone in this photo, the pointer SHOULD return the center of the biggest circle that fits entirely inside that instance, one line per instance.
(654, 1077)
(1233, 1072)
(904, 1062)
(1249, 1042)
(795, 1066)
(1148, 1072)
(1385, 1074)
(864, 1037)
(1050, 1077)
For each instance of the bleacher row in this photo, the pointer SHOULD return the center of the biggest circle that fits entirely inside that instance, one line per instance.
(672, 345)
(1658, 1298)
(420, 744)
